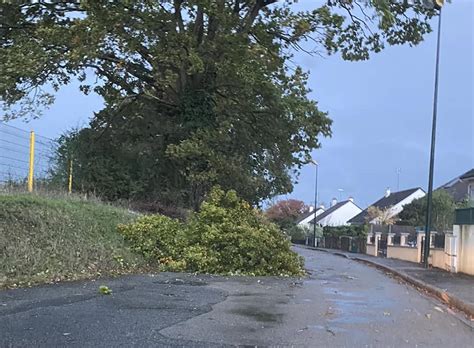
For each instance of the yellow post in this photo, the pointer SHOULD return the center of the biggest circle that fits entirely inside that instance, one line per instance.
(70, 177)
(32, 162)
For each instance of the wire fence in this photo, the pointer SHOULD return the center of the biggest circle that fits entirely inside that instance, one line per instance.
(27, 160)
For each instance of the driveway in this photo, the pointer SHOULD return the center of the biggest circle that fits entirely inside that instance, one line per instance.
(340, 304)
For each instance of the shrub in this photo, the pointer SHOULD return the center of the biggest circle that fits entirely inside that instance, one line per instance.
(158, 238)
(299, 233)
(227, 236)
(351, 230)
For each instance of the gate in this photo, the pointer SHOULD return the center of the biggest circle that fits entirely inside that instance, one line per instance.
(345, 243)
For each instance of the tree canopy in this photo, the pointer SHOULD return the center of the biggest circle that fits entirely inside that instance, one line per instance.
(285, 213)
(380, 216)
(414, 214)
(196, 92)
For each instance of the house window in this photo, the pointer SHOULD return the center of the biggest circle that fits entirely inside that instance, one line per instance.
(470, 191)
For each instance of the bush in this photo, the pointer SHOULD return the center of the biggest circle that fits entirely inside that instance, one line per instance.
(300, 233)
(351, 230)
(156, 237)
(227, 236)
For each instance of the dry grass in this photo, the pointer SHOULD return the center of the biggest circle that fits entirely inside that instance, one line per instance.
(50, 239)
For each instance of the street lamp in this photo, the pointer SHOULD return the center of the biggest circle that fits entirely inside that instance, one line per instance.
(315, 200)
(438, 4)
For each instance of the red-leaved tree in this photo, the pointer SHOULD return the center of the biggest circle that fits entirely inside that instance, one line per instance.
(285, 213)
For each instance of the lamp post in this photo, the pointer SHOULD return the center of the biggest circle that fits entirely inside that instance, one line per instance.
(315, 200)
(429, 207)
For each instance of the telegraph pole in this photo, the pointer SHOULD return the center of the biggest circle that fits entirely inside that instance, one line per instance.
(315, 201)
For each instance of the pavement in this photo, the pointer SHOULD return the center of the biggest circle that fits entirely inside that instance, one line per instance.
(342, 303)
(454, 288)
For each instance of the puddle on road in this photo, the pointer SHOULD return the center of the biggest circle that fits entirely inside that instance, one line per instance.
(259, 315)
(335, 291)
(301, 301)
(353, 307)
(330, 329)
(246, 294)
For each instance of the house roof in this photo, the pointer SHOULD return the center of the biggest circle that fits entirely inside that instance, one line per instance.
(330, 211)
(307, 215)
(383, 203)
(457, 188)
(468, 175)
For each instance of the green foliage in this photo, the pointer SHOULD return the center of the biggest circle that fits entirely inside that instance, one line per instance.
(226, 236)
(414, 214)
(144, 234)
(45, 239)
(350, 230)
(105, 290)
(466, 203)
(300, 233)
(296, 233)
(197, 93)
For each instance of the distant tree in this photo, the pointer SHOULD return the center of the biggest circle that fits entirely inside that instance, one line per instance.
(381, 216)
(414, 214)
(285, 213)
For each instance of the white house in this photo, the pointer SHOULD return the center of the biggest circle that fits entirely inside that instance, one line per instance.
(304, 219)
(393, 203)
(338, 214)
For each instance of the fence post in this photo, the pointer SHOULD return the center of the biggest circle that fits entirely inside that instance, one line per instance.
(70, 177)
(31, 169)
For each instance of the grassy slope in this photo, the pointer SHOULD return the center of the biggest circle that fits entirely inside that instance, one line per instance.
(51, 239)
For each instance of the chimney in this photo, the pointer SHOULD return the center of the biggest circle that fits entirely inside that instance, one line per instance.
(311, 208)
(333, 202)
(351, 199)
(387, 192)
(322, 207)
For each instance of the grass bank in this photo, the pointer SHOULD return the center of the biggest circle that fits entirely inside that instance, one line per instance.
(45, 239)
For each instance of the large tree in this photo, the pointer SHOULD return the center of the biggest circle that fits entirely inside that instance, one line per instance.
(196, 92)
(414, 214)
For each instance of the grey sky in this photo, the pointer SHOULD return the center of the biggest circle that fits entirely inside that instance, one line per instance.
(381, 109)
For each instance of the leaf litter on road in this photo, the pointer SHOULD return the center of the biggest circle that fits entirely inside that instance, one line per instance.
(105, 290)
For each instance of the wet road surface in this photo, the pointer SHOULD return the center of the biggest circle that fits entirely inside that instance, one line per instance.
(340, 304)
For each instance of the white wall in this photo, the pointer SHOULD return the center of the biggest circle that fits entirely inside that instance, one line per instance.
(396, 209)
(340, 216)
(466, 249)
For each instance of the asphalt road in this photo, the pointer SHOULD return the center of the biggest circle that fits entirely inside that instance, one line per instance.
(341, 304)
